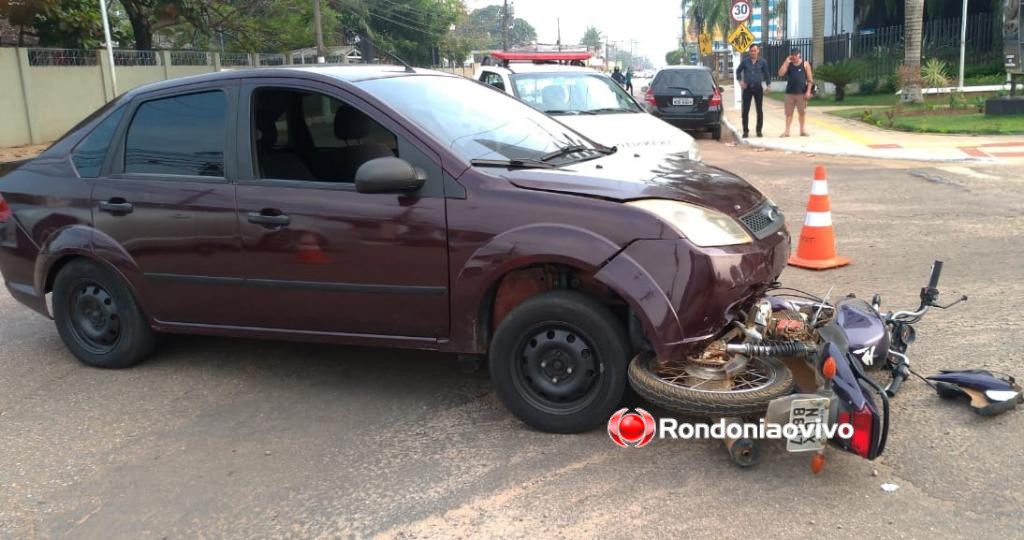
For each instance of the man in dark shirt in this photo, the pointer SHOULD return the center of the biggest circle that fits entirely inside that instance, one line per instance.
(754, 78)
(618, 77)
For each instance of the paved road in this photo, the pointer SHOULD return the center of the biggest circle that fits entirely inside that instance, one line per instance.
(242, 439)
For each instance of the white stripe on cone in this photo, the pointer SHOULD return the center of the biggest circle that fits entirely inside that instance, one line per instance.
(818, 219)
(819, 187)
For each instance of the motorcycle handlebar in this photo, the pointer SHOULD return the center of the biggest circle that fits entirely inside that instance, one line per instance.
(933, 281)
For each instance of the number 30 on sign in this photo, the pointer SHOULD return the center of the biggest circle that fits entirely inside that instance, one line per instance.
(740, 11)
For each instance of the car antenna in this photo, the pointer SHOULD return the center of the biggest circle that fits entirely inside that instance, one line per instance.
(359, 37)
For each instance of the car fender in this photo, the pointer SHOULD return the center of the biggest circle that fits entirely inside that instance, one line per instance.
(549, 243)
(84, 241)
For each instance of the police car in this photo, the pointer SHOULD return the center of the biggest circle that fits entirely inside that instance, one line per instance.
(584, 99)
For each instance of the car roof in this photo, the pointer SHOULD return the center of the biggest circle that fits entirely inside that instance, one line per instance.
(684, 68)
(349, 73)
(530, 67)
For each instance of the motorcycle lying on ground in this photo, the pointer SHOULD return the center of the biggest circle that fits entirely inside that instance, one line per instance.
(795, 358)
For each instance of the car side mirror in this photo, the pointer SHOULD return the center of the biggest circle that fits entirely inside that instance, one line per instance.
(645, 88)
(389, 175)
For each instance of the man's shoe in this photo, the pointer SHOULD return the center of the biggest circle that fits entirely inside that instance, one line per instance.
(759, 134)
(746, 134)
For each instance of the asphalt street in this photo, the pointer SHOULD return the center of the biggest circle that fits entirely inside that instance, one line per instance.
(249, 439)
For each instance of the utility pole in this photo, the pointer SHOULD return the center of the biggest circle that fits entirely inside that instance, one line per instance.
(319, 33)
(110, 46)
(559, 22)
(504, 27)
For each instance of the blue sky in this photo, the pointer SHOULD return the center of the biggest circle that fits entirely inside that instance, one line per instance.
(654, 24)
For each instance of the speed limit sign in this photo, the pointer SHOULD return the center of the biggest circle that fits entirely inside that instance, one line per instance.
(741, 10)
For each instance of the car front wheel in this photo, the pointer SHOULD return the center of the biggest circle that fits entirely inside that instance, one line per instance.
(558, 362)
(98, 318)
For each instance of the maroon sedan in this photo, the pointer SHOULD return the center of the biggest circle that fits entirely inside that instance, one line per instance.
(382, 206)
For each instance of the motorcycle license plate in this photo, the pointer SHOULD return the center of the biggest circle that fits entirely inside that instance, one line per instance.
(682, 101)
(808, 415)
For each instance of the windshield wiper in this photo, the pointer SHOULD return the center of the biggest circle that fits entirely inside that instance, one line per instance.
(564, 151)
(515, 163)
(609, 110)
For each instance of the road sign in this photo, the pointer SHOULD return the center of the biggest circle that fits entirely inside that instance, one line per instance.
(705, 44)
(740, 10)
(741, 39)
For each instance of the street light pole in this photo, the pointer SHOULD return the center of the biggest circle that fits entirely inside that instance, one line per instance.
(110, 46)
(963, 44)
(319, 33)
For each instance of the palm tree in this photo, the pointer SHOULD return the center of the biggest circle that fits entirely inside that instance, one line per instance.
(781, 15)
(715, 12)
(818, 31)
(911, 70)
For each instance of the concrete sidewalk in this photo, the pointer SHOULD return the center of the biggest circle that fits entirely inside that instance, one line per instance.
(833, 135)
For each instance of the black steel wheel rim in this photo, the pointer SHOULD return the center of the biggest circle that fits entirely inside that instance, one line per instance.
(94, 316)
(556, 369)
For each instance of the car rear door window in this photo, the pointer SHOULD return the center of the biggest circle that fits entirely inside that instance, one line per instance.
(179, 135)
(88, 156)
(696, 81)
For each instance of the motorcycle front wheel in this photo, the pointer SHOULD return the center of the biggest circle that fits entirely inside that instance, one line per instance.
(674, 387)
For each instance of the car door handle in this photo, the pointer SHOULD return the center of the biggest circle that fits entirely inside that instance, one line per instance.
(265, 217)
(116, 206)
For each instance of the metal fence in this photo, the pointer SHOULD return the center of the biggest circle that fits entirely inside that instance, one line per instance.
(191, 58)
(127, 57)
(881, 49)
(62, 57)
(235, 59)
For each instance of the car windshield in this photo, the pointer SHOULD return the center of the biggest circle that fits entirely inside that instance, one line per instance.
(697, 81)
(479, 122)
(572, 93)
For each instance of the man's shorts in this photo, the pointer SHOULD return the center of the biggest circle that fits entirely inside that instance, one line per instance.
(795, 101)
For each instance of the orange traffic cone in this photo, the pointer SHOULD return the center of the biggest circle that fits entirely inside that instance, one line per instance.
(817, 247)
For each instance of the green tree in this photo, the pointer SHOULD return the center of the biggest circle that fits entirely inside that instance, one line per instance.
(483, 26)
(72, 24)
(676, 57)
(592, 39)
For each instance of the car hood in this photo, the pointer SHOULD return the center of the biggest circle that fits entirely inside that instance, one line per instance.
(645, 174)
(630, 131)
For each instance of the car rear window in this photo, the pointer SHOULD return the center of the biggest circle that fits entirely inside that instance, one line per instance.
(180, 135)
(88, 156)
(696, 81)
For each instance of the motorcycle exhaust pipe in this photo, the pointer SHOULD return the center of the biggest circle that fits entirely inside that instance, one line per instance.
(773, 349)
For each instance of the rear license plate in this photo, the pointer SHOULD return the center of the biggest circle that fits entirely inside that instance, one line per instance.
(808, 415)
(682, 101)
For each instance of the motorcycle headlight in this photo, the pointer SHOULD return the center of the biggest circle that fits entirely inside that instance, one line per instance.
(702, 226)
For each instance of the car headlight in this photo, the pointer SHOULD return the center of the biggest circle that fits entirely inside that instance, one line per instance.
(702, 226)
(694, 151)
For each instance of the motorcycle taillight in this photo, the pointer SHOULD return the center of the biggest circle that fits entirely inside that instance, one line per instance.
(863, 423)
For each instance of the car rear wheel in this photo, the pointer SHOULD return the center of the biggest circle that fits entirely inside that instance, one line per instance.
(716, 132)
(558, 362)
(98, 318)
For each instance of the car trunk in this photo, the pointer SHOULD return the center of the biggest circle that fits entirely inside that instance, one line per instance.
(683, 92)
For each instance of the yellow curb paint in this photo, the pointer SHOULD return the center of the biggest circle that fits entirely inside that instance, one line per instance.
(841, 131)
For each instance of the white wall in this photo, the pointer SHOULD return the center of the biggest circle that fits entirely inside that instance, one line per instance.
(800, 18)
